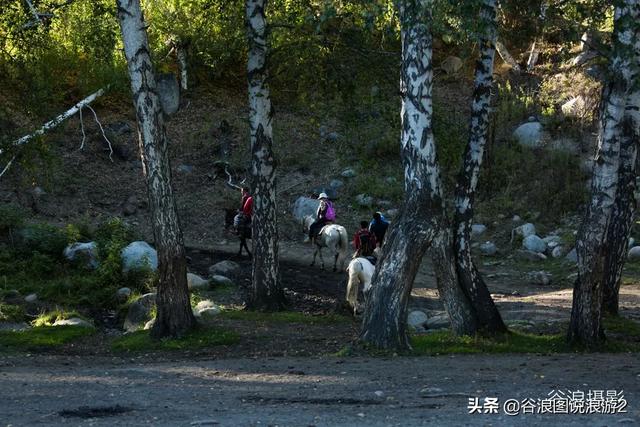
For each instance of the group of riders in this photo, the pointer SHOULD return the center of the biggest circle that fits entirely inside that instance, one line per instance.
(366, 239)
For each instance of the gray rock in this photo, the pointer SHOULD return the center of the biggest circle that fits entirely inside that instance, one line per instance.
(516, 218)
(206, 309)
(451, 64)
(439, 321)
(552, 241)
(305, 206)
(488, 249)
(185, 169)
(348, 173)
(31, 298)
(530, 255)
(225, 268)
(391, 213)
(39, 192)
(525, 230)
(540, 277)
(139, 312)
(196, 282)
(85, 253)
(534, 243)
(123, 293)
(416, 320)
(572, 256)
(477, 230)
(364, 200)
(219, 280)
(634, 254)
(138, 255)
(557, 252)
(74, 321)
(169, 92)
(336, 183)
(529, 134)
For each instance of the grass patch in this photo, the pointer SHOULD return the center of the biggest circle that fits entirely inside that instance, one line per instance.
(622, 326)
(197, 339)
(42, 338)
(11, 313)
(514, 342)
(284, 317)
(49, 318)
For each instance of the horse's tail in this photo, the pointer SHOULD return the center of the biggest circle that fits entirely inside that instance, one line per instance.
(354, 269)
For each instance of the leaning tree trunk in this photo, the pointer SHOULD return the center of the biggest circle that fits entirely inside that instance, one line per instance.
(422, 216)
(593, 239)
(267, 293)
(624, 210)
(174, 315)
(469, 277)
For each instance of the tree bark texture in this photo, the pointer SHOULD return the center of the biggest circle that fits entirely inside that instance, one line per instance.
(267, 293)
(422, 215)
(174, 314)
(469, 278)
(594, 239)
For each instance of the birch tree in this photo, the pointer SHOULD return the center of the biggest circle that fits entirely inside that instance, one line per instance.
(421, 220)
(174, 316)
(594, 239)
(488, 317)
(267, 293)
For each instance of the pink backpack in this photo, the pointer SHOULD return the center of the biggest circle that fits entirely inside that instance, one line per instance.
(331, 213)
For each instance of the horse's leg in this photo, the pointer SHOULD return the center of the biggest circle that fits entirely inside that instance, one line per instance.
(315, 252)
(321, 258)
(335, 262)
(240, 249)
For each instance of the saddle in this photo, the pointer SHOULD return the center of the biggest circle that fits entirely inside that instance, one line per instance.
(371, 259)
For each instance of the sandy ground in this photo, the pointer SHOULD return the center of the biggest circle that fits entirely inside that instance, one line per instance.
(52, 391)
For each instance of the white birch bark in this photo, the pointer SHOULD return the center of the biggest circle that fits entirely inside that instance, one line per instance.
(267, 293)
(174, 315)
(586, 315)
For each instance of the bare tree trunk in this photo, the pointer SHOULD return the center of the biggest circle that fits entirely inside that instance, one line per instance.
(181, 54)
(469, 277)
(174, 314)
(593, 238)
(506, 56)
(625, 207)
(267, 293)
(422, 216)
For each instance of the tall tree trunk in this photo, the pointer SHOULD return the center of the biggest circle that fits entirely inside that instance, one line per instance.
(625, 207)
(174, 314)
(267, 293)
(469, 277)
(422, 215)
(593, 239)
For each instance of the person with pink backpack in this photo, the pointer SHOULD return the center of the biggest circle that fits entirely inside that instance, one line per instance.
(326, 213)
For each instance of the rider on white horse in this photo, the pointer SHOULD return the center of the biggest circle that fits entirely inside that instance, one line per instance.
(325, 213)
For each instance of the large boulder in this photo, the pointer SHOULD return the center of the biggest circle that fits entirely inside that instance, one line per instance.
(416, 320)
(525, 230)
(206, 308)
(529, 134)
(225, 268)
(218, 280)
(478, 229)
(84, 253)
(438, 321)
(138, 255)
(169, 92)
(634, 254)
(139, 312)
(305, 206)
(534, 243)
(196, 282)
(488, 249)
(451, 64)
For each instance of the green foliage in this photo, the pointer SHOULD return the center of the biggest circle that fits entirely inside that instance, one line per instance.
(519, 179)
(514, 342)
(11, 313)
(44, 338)
(49, 318)
(42, 238)
(283, 317)
(11, 218)
(197, 339)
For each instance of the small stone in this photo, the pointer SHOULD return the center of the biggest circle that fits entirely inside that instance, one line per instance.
(477, 230)
(557, 252)
(488, 249)
(634, 254)
(348, 173)
(123, 293)
(572, 256)
(364, 200)
(186, 169)
(534, 243)
(31, 298)
(516, 218)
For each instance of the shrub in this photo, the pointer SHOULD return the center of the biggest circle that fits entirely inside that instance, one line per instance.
(11, 313)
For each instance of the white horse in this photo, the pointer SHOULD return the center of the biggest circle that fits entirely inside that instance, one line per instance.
(360, 271)
(332, 236)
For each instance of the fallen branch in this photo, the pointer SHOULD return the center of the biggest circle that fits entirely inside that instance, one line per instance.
(55, 122)
(506, 56)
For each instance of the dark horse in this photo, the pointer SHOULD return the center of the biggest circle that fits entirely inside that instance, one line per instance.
(243, 231)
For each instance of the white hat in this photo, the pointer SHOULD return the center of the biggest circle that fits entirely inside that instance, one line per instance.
(323, 196)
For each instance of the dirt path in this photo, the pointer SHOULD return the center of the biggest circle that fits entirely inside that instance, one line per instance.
(52, 391)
